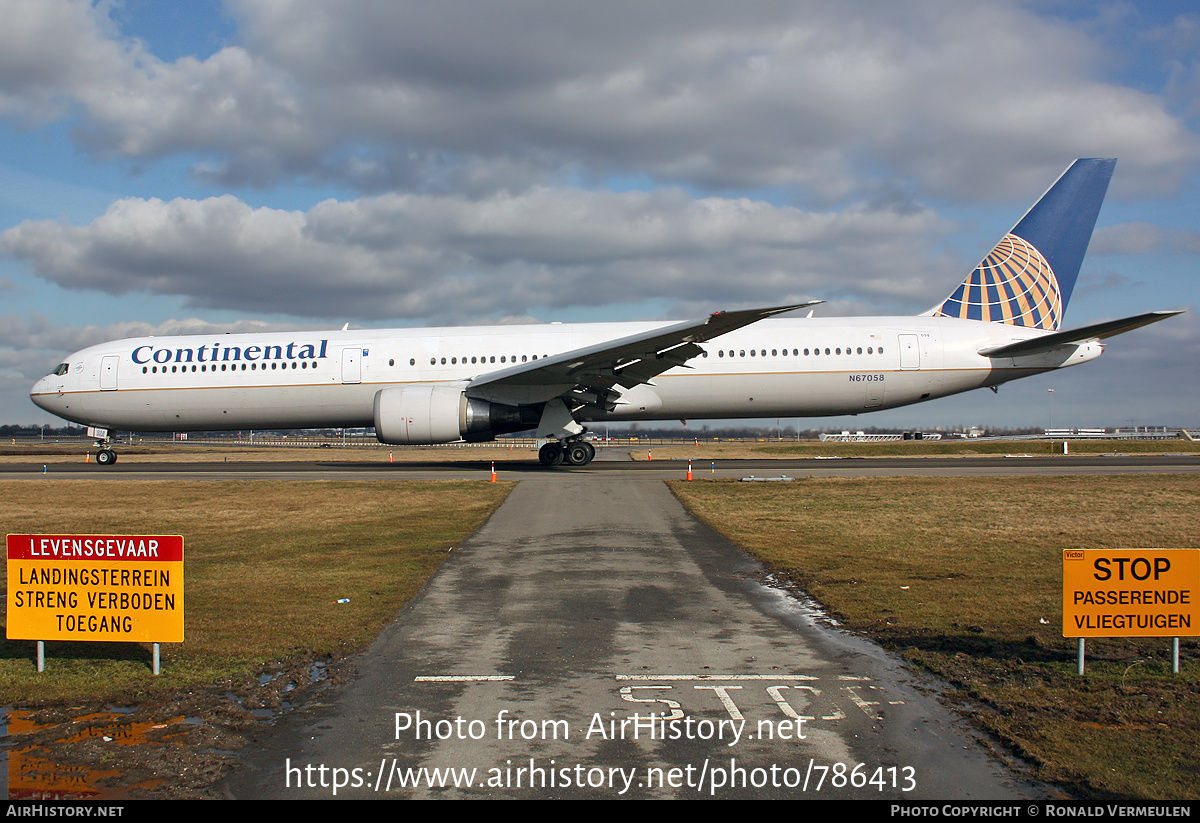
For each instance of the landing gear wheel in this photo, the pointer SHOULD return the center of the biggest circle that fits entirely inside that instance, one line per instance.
(106, 457)
(579, 453)
(551, 454)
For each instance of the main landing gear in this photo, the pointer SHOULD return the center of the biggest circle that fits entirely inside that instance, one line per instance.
(573, 453)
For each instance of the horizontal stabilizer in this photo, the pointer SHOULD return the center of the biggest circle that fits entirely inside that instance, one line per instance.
(1098, 331)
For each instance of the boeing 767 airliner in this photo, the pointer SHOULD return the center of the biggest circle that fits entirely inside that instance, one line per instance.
(440, 385)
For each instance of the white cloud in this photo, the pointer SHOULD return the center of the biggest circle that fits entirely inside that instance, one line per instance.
(39, 333)
(447, 257)
(971, 100)
(54, 55)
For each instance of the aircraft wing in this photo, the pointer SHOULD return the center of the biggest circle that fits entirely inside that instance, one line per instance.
(1098, 331)
(596, 374)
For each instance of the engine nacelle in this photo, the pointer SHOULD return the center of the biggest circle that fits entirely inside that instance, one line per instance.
(428, 413)
(420, 414)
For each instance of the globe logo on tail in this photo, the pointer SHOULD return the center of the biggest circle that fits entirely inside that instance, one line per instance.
(1014, 285)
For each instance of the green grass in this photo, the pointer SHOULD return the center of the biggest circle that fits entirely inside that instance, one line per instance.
(265, 564)
(959, 575)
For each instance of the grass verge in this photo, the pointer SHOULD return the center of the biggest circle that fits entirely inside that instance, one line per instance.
(963, 576)
(264, 565)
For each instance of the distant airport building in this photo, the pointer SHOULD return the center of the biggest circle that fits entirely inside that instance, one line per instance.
(863, 437)
(1076, 434)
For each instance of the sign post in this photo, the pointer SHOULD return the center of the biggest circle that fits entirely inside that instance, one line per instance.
(1130, 593)
(125, 588)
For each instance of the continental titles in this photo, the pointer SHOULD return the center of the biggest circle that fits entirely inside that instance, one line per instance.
(221, 353)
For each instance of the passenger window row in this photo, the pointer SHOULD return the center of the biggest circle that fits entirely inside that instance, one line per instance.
(455, 361)
(808, 352)
(206, 367)
(815, 352)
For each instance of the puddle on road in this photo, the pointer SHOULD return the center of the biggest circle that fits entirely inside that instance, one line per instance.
(30, 774)
(31, 750)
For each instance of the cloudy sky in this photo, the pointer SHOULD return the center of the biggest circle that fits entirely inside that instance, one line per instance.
(174, 167)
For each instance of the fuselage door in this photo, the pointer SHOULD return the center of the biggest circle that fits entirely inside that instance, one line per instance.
(108, 372)
(351, 365)
(910, 352)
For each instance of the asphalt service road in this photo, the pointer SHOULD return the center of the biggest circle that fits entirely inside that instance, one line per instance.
(593, 640)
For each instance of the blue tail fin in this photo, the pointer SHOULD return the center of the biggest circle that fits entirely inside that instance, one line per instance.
(1028, 278)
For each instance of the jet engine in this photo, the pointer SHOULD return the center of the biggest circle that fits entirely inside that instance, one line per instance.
(428, 413)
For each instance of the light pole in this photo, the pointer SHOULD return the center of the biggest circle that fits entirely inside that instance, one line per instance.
(1050, 393)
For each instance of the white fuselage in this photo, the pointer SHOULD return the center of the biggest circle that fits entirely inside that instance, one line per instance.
(781, 367)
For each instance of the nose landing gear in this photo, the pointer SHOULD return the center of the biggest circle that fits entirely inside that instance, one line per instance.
(105, 456)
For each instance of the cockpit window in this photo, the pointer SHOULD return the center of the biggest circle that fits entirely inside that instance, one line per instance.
(61, 369)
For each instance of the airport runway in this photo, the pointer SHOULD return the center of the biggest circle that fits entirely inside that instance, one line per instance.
(586, 601)
(520, 469)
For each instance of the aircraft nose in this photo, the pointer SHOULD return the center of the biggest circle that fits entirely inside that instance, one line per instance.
(42, 393)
